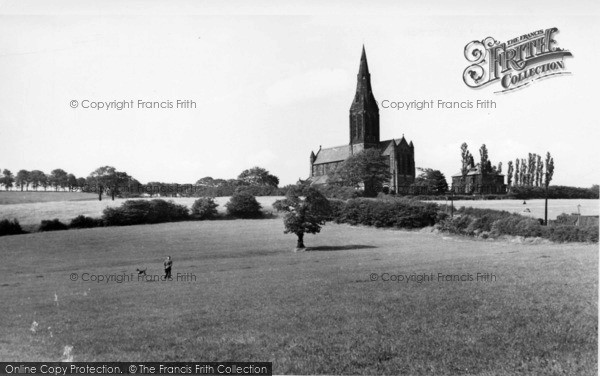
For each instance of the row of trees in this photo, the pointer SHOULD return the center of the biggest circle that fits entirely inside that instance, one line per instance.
(36, 179)
(529, 172)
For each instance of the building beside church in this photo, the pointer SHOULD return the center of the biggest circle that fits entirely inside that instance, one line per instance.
(364, 134)
(478, 183)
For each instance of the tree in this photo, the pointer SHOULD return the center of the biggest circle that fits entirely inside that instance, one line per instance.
(467, 162)
(368, 168)
(548, 175)
(108, 179)
(517, 172)
(22, 179)
(539, 175)
(509, 174)
(58, 178)
(258, 176)
(7, 179)
(303, 215)
(36, 177)
(434, 180)
(484, 161)
(71, 182)
(499, 168)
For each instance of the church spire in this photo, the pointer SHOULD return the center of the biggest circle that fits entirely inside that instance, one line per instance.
(364, 112)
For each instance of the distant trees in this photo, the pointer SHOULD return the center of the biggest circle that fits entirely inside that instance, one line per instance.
(528, 172)
(258, 176)
(434, 180)
(58, 178)
(22, 179)
(367, 168)
(7, 179)
(108, 179)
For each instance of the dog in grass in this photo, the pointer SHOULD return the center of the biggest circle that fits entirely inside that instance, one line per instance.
(141, 272)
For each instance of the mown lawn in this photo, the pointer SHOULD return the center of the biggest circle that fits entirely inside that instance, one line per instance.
(309, 312)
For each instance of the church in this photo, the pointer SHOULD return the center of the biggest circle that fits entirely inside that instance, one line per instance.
(364, 134)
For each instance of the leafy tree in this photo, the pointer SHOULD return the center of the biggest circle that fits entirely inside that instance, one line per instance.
(368, 168)
(81, 183)
(36, 177)
(207, 182)
(58, 178)
(7, 179)
(71, 182)
(499, 168)
(108, 179)
(303, 215)
(517, 172)
(434, 180)
(204, 208)
(22, 179)
(243, 205)
(258, 176)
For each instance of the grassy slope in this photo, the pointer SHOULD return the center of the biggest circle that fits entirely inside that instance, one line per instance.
(310, 312)
(26, 197)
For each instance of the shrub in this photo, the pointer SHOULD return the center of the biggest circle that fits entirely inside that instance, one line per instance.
(52, 225)
(204, 208)
(569, 233)
(394, 212)
(243, 205)
(338, 192)
(81, 221)
(134, 212)
(8, 227)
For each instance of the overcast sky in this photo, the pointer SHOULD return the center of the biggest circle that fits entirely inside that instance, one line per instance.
(272, 82)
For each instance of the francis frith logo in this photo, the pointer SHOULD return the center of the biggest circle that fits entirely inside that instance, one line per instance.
(516, 63)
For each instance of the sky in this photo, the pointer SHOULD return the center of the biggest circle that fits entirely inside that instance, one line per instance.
(272, 82)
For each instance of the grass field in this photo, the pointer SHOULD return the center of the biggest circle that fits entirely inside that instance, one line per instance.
(319, 311)
(535, 207)
(17, 197)
(31, 214)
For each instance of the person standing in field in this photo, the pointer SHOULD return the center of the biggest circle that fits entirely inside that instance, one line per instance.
(168, 265)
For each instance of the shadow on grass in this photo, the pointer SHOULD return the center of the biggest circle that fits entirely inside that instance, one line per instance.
(338, 247)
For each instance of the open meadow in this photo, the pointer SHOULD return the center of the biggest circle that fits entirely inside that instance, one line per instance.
(337, 308)
(30, 215)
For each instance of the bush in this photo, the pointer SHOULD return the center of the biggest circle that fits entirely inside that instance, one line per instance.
(81, 221)
(52, 225)
(484, 222)
(569, 233)
(401, 213)
(8, 227)
(335, 191)
(204, 208)
(135, 212)
(337, 208)
(243, 205)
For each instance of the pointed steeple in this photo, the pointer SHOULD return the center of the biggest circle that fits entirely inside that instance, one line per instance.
(364, 67)
(364, 112)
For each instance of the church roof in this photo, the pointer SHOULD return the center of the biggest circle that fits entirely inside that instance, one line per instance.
(341, 153)
(334, 154)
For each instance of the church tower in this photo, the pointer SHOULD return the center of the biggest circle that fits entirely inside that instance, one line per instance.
(364, 112)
